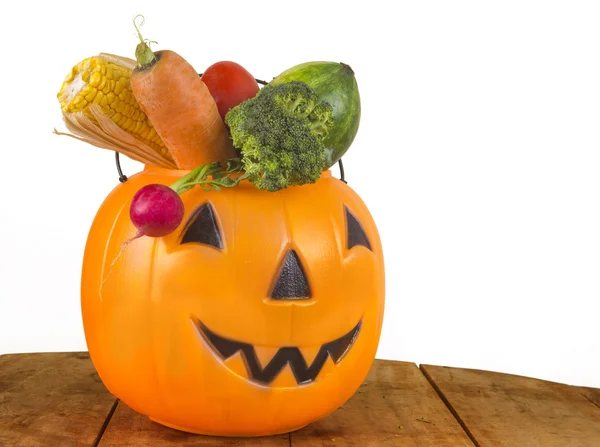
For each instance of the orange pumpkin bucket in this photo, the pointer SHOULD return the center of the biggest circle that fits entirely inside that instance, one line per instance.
(258, 315)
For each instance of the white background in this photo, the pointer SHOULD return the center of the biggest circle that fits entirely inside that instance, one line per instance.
(478, 156)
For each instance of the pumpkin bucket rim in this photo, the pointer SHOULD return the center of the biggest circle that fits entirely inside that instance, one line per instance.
(151, 169)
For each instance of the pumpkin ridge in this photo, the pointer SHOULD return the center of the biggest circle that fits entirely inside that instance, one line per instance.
(153, 333)
(106, 249)
(101, 326)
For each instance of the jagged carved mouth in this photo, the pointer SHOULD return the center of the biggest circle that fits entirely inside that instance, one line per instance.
(287, 355)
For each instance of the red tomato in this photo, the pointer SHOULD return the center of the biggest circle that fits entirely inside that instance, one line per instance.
(229, 84)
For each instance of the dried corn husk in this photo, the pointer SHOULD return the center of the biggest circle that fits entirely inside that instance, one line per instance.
(94, 127)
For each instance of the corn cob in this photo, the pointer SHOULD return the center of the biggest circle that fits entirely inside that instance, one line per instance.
(104, 81)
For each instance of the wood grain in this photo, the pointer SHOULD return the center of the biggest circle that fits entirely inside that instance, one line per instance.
(396, 406)
(51, 400)
(591, 394)
(128, 428)
(15, 368)
(57, 399)
(503, 410)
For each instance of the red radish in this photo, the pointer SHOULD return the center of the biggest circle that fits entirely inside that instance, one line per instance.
(156, 210)
(229, 84)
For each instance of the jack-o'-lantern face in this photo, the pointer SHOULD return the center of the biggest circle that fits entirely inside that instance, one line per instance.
(260, 314)
(289, 284)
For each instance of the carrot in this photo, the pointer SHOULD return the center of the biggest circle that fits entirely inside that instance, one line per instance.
(180, 107)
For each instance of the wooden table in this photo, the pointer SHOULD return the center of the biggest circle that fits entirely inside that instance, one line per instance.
(57, 399)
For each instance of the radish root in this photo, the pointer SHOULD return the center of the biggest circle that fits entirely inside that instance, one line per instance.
(110, 269)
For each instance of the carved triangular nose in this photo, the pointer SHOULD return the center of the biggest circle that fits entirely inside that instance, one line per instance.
(291, 284)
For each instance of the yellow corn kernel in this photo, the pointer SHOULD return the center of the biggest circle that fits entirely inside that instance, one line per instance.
(70, 76)
(98, 98)
(91, 95)
(120, 86)
(120, 107)
(79, 102)
(87, 90)
(95, 80)
(102, 83)
(115, 103)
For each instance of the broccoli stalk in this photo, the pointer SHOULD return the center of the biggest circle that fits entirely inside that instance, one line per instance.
(279, 134)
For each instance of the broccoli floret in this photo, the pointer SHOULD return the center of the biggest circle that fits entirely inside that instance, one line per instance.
(280, 135)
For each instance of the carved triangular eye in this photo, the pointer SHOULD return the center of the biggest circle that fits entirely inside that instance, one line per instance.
(202, 228)
(355, 231)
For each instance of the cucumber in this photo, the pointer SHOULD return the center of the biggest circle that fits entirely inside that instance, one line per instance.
(335, 83)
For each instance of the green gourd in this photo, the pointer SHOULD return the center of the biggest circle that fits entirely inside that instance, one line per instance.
(335, 83)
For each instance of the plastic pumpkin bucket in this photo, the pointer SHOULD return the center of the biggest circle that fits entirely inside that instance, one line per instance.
(260, 314)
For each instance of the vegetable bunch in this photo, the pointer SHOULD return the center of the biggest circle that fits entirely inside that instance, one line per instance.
(220, 126)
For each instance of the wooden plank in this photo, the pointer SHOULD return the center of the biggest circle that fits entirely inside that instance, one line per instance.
(15, 368)
(395, 406)
(128, 428)
(591, 394)
(504, 410)
(53, 399)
